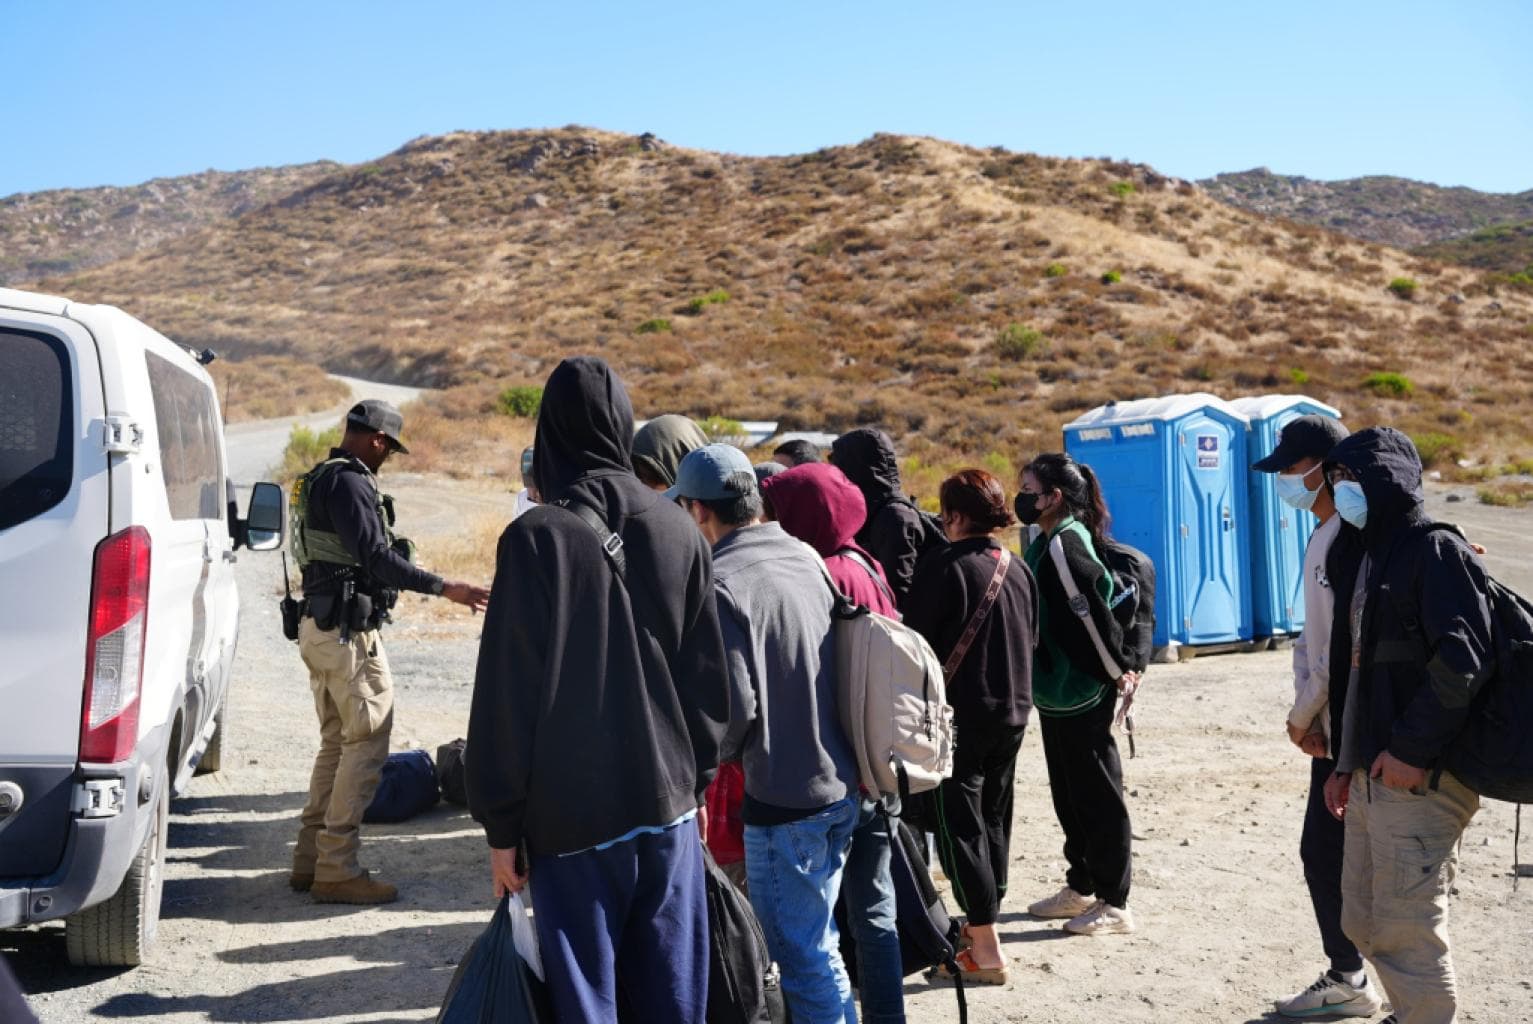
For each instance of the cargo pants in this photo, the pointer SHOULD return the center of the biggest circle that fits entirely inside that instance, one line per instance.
(354, 699)
(1400, 861)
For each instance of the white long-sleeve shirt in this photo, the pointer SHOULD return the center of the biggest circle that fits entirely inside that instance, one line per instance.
(1312, 651)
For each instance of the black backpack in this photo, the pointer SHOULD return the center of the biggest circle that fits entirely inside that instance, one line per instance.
(1133, 601)
(1493, 755)
(744, 986)
(451, 773)
(928, 934)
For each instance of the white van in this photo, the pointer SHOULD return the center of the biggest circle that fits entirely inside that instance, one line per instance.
(118, 612)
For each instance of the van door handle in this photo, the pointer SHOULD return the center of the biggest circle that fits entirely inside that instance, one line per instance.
(230, 556)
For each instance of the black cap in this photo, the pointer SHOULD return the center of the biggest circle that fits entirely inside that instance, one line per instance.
(381, 417)
(1306, 437)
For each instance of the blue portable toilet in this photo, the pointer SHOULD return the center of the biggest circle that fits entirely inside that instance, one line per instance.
(1278, 533)
(1173, 473)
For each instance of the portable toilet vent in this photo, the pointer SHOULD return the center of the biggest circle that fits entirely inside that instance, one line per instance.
(1173, 472)
(1279, 534)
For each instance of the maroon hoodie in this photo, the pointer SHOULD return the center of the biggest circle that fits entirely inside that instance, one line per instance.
(817, 504)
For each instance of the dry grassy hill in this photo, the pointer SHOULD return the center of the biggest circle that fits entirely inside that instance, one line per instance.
(65, 230)
(969, 300)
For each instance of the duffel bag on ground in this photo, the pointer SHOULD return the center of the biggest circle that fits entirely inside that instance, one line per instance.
(406, 788)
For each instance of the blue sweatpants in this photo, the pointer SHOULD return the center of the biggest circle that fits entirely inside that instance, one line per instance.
(626, 927)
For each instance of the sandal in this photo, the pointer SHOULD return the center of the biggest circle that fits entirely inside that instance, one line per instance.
(973, 973)
(965, 940)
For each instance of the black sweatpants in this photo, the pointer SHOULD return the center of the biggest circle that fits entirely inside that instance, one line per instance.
(973, 816)
(1320, 849)
(1086, 781)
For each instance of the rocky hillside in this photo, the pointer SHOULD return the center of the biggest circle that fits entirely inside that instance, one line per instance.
(1394, 211)
(1506, 249)
(969, 300)
(65, 230)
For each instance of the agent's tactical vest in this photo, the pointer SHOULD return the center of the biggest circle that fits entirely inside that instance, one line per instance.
(310, 544)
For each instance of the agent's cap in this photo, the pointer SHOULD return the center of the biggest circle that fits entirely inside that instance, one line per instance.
(380, 417)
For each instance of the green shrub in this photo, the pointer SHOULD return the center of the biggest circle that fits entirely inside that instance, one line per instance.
(1055, 270)
(1000, 467)
(1298, 376)
(717, 297)
(1123, 189)
(1433, 447)
(1388, 384)
(1512, 495)
(305, 448)
(654, 325)
(1403, 287)
(1017, 341)
(722, 430)
(522, 402)
(1111, 277)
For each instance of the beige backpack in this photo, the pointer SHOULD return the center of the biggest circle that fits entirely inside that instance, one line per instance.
(892, 701)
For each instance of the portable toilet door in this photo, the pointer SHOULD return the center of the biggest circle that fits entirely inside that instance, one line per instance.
(1279, 534)
(1210, 505)
(1171, 470)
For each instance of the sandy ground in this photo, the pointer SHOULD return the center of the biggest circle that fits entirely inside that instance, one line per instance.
(1217, 796)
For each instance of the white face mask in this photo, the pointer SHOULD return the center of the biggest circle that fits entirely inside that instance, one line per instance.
(1293, 492)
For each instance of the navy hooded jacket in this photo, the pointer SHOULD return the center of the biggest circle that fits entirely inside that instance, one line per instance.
(1426, 642)
(598, 707)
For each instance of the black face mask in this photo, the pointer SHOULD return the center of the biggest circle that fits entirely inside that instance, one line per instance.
(1026, 507)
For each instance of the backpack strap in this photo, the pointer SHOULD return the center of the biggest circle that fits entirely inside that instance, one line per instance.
(981, 613)
(611, 543)
(1081, 606)
(878, 580)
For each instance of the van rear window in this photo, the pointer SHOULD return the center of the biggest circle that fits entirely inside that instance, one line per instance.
(36, 442)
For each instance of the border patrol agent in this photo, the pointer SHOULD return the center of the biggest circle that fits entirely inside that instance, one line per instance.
(354, 567)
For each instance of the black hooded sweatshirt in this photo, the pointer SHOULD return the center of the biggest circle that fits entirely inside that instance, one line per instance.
(1414, 685)
(598, 708)
(895, 532)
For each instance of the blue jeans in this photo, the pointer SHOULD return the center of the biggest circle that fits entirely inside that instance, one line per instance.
(870, 905)
(795, 875)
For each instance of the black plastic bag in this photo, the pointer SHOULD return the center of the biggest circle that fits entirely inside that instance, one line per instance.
(494, 984)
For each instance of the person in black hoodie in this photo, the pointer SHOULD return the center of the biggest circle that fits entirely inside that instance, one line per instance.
(599, 706)
(1420, 626)
(896, 533)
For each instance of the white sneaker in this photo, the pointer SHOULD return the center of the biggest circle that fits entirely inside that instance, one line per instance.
(1102, 919)
(1329, 997)
(1064, 903)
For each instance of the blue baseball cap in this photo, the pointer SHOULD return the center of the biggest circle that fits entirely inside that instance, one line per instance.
(706, 474)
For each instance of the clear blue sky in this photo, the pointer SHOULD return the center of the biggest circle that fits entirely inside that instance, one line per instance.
(116, 92)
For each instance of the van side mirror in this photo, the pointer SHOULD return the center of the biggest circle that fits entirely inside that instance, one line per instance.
(261, 528)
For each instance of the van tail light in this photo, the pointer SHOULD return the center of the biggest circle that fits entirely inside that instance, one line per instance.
(114, 651)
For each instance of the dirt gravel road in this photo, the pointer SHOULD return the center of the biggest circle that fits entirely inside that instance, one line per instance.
(1217, 797)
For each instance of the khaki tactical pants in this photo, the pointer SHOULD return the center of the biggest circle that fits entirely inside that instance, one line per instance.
(354, 698)
(1400, 861)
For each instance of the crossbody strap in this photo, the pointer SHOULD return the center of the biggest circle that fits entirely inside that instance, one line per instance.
(878, 580)
(611, 543)
(1082, 608)
(993, 591)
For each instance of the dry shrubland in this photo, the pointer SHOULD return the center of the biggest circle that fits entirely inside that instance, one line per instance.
(266, 387)
(875, 283)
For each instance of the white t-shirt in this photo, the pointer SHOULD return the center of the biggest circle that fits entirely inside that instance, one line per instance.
(1312, 651)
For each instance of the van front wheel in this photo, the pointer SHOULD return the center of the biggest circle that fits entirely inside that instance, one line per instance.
(119, 932)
